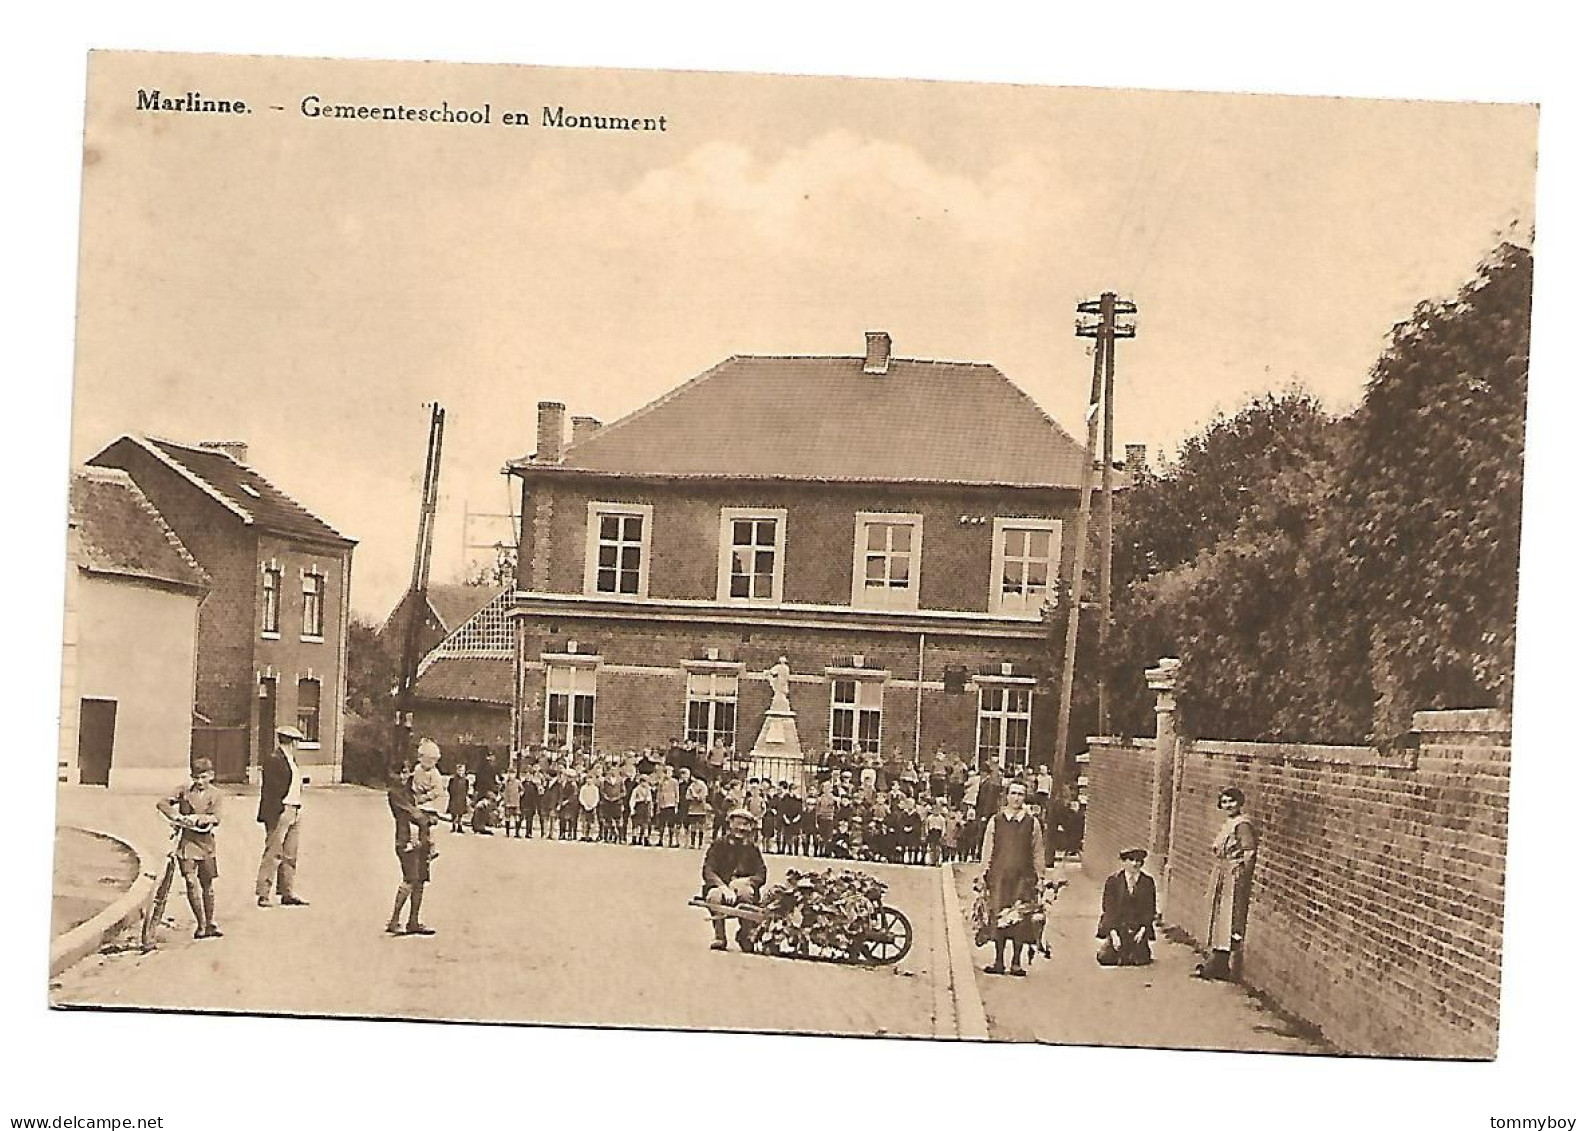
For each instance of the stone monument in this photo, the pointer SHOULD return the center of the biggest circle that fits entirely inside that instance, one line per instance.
(779, 735)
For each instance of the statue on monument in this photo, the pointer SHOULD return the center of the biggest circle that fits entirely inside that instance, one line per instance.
(777, 674)
(779, 736)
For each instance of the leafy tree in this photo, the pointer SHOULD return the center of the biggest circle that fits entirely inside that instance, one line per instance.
(1431, 497)
(501, 571)
(371, 704)
(1321, 580)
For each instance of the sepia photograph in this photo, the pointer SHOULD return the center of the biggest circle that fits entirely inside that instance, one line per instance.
(601, 548)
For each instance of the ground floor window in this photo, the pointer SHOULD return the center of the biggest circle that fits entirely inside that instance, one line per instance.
(857, 715)
(309, 709)
(1002, 725)
(570, 707)
(712, 713)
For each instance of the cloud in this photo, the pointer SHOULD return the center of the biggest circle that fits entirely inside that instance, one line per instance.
(839, 182)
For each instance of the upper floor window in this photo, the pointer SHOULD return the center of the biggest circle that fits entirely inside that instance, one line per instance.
(750, 564)
(270, 621)
(886, 561)
(617, 550)
(314, 606)
(1025, 556)
(309, 709)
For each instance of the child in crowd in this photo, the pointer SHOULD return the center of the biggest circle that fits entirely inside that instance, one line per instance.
(952, 829)
(936, 825)
(639, 804)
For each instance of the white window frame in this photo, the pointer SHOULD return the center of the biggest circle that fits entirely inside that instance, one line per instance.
(857, 709)
(1029, 605)
(1002, 716)
(592, 543)
(716, 680)
(906, 598)
(313, 586)
(269, 571)
(724, 558)
(573, 692)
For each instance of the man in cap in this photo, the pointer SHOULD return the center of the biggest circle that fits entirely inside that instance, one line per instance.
(1129, 908)
(281, 814)
(734, 872)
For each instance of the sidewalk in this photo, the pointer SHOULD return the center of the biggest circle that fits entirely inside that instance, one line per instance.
(1071, 1000)
(91, 873)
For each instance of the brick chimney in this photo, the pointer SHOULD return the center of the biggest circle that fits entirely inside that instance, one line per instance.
(584, 427)
(236, 449)
(549, 432)
(878, 352)
(1134, 460)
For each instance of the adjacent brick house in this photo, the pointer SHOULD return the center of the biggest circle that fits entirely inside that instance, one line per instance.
(893, 527)
(133, 596)
(272, 636)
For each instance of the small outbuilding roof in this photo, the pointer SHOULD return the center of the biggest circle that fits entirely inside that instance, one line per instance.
(119, 533)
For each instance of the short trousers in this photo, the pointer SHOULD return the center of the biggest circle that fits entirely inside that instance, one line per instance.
(415, 866)
(203, 866)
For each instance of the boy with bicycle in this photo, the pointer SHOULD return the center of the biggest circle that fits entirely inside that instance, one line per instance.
(194, 809)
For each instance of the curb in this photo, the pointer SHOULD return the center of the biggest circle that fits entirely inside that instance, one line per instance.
(971, 1012)
(88, 937)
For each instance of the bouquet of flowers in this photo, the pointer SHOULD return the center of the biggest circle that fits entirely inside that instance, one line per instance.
(819, 913)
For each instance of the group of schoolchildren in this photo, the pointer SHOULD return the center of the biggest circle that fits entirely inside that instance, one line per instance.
(853, 805)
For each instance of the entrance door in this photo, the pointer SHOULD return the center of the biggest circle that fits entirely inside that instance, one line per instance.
(96, 738)
(267, 718)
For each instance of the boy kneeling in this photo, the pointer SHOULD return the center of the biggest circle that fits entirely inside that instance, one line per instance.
(1129, 907)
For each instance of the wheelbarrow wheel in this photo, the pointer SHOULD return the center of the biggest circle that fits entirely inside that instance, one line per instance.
(889, 938)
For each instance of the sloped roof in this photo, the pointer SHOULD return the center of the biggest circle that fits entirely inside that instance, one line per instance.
(474, 679)
(824, 418)
(240, 488)
(455, 604)
(119, 532)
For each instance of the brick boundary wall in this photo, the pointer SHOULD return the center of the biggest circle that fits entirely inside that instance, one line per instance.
(1378, 899)
(1119, 803)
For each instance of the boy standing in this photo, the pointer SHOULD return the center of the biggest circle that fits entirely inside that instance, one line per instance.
(195, 809)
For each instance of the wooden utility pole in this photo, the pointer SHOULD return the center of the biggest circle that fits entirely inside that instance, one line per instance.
(418, 590)
(1104, 330)
(1116, 331)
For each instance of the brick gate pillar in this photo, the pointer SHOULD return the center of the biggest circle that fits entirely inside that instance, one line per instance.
(1164, 680)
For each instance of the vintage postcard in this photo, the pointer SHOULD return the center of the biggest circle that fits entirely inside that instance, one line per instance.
(803, 555)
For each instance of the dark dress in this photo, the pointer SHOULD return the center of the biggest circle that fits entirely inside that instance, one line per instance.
(1014, 856)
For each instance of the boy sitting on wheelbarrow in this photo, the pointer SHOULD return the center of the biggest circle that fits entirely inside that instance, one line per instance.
(734, 872)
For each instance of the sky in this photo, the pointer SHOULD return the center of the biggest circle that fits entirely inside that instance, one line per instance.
(308, 286)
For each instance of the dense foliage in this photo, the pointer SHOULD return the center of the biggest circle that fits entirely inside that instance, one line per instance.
(371, 706)
(1322, 579)
(819, 914)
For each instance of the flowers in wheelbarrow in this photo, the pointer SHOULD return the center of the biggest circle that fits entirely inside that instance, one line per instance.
(822, 914)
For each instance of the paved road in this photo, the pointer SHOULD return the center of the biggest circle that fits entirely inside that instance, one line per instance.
(530, 931)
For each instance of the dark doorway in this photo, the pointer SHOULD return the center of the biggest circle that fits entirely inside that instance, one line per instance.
(267, 719)
(96, 738)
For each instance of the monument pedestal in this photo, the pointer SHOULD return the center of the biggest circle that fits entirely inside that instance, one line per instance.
(779, 737)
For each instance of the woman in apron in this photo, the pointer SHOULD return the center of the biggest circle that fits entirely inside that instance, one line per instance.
(1229, 894)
